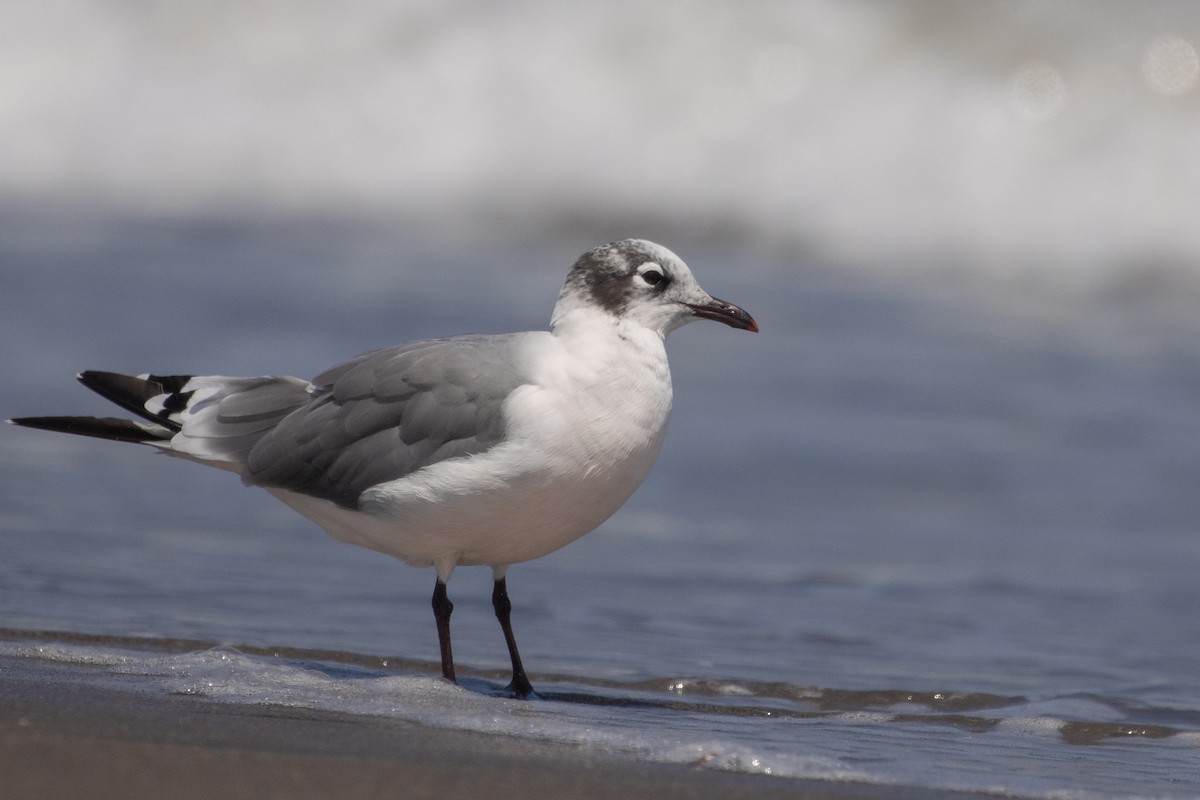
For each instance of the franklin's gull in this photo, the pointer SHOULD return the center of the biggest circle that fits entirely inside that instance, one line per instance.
(468, 450)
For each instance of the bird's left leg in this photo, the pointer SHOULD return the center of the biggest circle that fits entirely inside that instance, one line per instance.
(520, 686)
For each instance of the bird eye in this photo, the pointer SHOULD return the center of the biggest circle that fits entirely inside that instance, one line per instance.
(653, 277)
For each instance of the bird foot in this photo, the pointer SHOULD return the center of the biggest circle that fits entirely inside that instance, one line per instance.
(520, 690)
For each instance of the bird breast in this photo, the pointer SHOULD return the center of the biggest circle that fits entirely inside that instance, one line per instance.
(599, 398)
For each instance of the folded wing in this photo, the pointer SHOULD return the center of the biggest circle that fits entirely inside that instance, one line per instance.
(387, 413)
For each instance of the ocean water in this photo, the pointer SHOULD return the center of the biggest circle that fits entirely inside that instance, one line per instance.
(935, 526)
(900, 536)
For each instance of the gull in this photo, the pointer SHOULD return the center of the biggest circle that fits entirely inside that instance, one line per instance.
(469, 450)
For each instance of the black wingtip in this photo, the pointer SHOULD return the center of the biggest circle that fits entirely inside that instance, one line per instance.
(125, 390)
(131, 393)
(111, 428)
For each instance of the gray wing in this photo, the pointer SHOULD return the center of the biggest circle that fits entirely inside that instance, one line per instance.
(390, 412)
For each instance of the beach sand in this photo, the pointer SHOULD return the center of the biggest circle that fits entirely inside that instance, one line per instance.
(62, 734)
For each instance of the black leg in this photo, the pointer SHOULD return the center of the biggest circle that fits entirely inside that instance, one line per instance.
(520, 686)
(442, 607)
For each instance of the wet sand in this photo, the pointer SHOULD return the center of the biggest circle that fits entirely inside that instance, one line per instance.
(62, 734)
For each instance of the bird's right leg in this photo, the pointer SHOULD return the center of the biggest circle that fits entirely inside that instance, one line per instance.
(442, 607)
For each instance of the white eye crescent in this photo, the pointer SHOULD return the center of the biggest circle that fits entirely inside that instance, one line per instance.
(652, 275)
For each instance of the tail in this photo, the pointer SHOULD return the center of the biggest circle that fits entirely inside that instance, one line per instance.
(208, 418)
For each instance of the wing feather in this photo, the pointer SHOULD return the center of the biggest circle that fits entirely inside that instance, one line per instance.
(387, 413)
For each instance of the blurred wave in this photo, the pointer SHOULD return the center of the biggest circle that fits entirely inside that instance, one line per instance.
(1036, 143)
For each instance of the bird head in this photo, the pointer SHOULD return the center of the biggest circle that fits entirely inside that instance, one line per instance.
(644, 283)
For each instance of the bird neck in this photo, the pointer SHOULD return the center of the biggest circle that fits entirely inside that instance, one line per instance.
(586, 322)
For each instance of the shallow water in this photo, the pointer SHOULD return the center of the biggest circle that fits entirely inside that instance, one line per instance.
(904, 535)
(934, 740)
